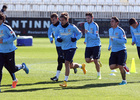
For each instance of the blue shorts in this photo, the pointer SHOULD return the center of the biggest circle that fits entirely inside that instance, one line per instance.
(138, 49)
(93, 52)
(69, 54)
(118, 58)
(60, 53)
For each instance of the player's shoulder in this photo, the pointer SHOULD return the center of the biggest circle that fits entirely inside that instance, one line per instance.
(7, 27)
(110, 29)
(95, 24)
(121, 29)
(72, 25)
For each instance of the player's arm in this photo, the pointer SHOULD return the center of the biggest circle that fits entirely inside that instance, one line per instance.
(122, 38)
(77, 34)
(95, 33)
(85, 33)
(50, 34)
(12, 35)
(133, 37)
(110, 45)
(58, 35)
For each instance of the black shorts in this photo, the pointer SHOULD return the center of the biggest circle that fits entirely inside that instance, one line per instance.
(118, 58)
(69, 54)
(138, 50)
(8, 60)
(93, 52)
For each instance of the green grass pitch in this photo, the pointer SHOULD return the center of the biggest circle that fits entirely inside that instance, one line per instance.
(41, 58)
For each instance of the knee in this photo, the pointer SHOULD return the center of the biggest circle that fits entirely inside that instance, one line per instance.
(111, 67)
(87, 60)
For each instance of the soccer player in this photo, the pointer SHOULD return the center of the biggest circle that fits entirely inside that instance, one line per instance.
(118, 54)
(4, 8)
(51, 33)
(135, 32)
(7, 51)
(93, 43)
(67, 35)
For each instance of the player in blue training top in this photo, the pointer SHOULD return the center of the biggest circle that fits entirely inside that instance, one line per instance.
(68, 35)
(118, 49)
(135, 32)
(51, 33)
(93, 43)
(7, 51)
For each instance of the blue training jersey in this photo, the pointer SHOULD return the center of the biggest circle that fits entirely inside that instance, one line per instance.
(8, 36)
(135, 32)
(119, 39)
(92, 38)
(71, 31)
(51, 31)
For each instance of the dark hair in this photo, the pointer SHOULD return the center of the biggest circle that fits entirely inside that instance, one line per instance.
(64, 15)
(132, 21)
(2, 16)
(4, 6)
(54, 15)
(89, 14)
(116, 19)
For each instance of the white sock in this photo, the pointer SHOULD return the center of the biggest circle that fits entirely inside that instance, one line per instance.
(58, 73)
(19, 67)
(124, 80)
(98, 74)
(80, 66)
(66, 78)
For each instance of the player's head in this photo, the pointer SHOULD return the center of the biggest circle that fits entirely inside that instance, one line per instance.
(4, 7)
(64, 18)
(54, 18)
(89, 17)
(2, 18)
(133, 22)
(114, 22)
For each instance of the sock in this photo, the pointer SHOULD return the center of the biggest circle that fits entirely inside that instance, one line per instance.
(19, 67)
(124, 80)
(66, 78)
(80, 66)
(15, 80)
(98, 74)
(58, 73)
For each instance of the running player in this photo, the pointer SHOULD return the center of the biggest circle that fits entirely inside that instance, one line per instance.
(67, 35)
(7, 51)
(51, 33)
(118, 50)
(93, 43)
(135, 32)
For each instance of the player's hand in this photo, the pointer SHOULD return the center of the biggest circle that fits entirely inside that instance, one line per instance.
(85, 43)
(86, 31)
(52, 41)
(133, 43)
(59, 40)
(1, 40)
(109, 49)
(73, 39)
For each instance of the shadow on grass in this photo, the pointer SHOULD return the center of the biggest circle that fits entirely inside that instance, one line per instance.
(29, 90)
(45, 82)
(87, 86)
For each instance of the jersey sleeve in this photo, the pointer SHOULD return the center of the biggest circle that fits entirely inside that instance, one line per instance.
(133, 36)
(50, 34)
(110, 45)
(122, 38)
(77, 33)
(95, 33)
(11, 34)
